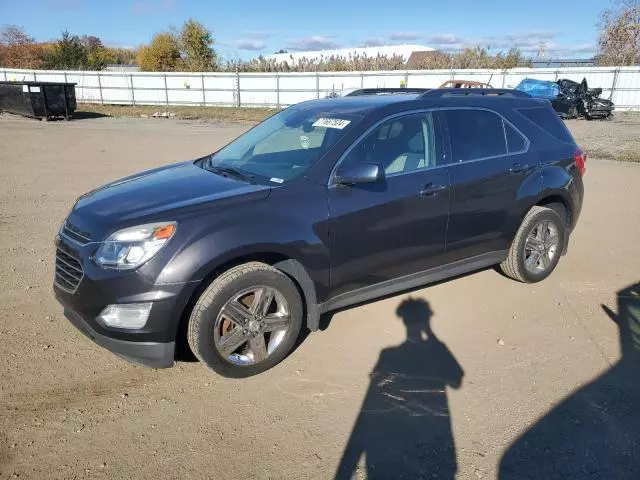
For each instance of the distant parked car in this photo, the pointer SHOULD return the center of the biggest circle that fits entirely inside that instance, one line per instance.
(464, 84)
(569, 98)
(324, 205)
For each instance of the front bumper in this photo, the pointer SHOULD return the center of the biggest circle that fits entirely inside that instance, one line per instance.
(152, 345)
(147, 354)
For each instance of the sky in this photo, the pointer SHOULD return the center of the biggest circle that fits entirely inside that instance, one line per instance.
(248, 28)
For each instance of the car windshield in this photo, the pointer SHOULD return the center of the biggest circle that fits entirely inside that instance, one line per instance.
(282, 147)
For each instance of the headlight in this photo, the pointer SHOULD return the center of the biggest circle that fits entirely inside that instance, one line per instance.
(131, 247)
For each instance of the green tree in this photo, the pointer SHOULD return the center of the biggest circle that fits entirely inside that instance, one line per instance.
(195, 42)
(161, 55)
(619, 39)
(68, 53)
(97, 55)
(119, 55)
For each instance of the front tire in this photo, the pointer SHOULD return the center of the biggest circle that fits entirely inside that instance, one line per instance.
(246, 321)
(537, 247)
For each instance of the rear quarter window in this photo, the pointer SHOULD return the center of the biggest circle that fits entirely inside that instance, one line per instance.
(515, 141)
(475, 134)
(547, 119)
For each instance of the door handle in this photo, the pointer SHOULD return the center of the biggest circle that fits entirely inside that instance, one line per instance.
(517, 168)
(431, 190)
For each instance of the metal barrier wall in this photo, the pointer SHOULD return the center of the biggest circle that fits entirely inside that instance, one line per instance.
(620, 84)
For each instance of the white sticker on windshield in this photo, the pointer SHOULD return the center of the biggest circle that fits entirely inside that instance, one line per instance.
(331, 123)
(276, 180)
(304, 141)
(25, 88)
(34, 89)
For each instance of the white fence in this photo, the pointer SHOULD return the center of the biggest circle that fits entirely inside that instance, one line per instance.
(620, 84)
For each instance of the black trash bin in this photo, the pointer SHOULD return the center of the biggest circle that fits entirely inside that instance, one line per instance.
(42, 100)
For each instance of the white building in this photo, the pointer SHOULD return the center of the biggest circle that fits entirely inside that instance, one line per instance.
(404, 51)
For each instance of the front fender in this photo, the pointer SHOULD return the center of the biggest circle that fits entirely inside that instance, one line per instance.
(283, 237)
(291, 225)
(296, 270)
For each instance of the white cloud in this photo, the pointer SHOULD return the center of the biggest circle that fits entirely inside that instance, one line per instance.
(249, 44)
(374, 42)
(444, 39)
(405, 36)
(312, 43)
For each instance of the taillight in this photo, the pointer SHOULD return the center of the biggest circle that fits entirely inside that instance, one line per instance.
(580, 159)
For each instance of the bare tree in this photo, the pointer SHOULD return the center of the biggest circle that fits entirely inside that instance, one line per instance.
(19, 50)
(619, 40)
(14, 35)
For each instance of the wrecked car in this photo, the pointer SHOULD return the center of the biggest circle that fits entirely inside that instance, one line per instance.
(569, 98)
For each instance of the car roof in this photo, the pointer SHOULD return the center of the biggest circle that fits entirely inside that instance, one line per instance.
(366, 105)
(356, 105)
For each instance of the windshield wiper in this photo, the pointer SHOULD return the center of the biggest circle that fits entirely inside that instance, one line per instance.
(231, 172)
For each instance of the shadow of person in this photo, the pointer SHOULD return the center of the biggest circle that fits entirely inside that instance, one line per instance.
(595, 432)
(403, 429)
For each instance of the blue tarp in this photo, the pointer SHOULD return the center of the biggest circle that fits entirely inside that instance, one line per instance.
(539, 88)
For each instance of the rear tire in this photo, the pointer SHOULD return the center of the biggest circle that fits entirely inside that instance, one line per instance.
(246, 321)
(537, 246)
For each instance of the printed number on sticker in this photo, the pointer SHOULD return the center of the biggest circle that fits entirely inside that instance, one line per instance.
(331, 123)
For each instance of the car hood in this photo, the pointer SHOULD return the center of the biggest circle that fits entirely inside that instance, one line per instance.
(157, 195)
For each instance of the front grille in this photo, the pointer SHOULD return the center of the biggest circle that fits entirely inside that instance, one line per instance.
(75, 234)
(69, 271)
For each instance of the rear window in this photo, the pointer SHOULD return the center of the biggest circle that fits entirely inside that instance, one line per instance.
(547, 120)
(475, 134)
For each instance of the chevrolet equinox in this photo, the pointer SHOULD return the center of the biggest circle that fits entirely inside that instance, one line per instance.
(326, 204)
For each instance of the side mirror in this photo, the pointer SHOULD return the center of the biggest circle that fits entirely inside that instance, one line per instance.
(359, 173)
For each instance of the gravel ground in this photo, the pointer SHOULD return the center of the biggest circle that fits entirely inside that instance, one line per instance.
(616, 139)
(499, 356)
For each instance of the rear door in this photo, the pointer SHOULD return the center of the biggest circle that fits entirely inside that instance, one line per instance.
(490, 161)
(396, 226)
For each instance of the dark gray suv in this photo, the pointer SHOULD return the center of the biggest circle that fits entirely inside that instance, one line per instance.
(324, 205)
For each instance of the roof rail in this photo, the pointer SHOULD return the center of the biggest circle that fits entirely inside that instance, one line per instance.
(385, 91)
(456, 92)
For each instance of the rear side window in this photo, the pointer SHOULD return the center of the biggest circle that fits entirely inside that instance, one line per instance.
(475, 134)
(547, 120)
(515, 141)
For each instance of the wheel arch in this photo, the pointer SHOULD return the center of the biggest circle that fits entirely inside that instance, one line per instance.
(287, 265)
(554, 199)
(562, 206)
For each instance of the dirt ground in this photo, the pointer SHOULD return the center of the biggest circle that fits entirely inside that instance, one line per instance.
(187, 112)
(69, 409)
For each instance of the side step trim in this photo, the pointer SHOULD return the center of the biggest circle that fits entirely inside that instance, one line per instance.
(413, 280)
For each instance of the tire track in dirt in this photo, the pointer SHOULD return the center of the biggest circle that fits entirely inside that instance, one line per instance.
(16, 405)
(5, 456)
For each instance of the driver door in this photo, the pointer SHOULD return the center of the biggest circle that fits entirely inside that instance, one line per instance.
(396, 226)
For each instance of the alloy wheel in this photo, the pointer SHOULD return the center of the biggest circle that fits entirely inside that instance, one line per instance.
(541, 247)
(251, 325)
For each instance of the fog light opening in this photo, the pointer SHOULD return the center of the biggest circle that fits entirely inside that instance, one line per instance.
(128, 315)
